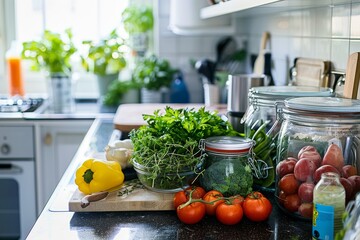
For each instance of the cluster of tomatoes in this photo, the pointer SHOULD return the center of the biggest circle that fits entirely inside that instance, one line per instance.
(193, 203)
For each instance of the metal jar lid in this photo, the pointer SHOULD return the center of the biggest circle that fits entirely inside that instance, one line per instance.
(228, 144)
(324, 104)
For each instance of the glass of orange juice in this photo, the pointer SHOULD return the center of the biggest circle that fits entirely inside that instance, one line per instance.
(13, 60)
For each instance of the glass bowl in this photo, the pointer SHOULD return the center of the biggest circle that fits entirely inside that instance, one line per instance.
(166, 182)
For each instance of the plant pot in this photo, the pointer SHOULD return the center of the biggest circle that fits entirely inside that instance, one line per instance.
(139, 43)
(60, 93)
(104, 82)
(154, 96)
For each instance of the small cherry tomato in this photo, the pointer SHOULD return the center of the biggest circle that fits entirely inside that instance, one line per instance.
(197, 192)
(180, 198)
(229, 213)
(237, 199)
(256, 207)
(191, 213)
(211, 196)
(183, 196)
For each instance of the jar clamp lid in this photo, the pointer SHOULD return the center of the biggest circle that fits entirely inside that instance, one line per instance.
(324, 104)
(283, 92)
(228, 144)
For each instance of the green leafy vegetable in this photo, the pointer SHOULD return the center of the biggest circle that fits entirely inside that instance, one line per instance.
(230, 177)
(169, 144)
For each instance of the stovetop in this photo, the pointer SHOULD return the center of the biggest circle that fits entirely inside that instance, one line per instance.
(19, 105)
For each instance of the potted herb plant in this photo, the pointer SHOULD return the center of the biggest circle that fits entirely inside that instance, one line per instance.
(138, 22)
(105, 59)
(52, 54)
(154, 75)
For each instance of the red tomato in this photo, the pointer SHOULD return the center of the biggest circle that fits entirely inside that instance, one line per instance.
(180, 198)
(237, 199)
(212, 196)
(257, 208)
(229, 213)
(192, 213)
(198, 192)
(183, 196)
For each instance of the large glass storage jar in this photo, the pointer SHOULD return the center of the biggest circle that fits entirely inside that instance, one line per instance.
(260, 125)
(227, 165)
(317, 135)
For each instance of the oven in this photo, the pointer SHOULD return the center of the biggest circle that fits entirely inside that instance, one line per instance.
(17, 181)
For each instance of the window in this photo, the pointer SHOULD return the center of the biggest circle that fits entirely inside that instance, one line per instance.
(88, 19)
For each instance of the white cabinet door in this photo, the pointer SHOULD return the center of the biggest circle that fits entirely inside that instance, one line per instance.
(57, 143)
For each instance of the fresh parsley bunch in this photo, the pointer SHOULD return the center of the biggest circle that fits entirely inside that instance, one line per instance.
(169, 143)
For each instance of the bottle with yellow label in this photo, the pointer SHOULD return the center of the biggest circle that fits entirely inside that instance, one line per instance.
(329, 205)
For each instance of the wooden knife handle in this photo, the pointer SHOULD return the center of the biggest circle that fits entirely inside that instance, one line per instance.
(264, 39)
(352, 77)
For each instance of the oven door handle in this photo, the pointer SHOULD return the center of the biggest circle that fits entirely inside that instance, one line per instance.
(8, 168)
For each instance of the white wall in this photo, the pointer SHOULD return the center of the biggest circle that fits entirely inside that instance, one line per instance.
(328, 33)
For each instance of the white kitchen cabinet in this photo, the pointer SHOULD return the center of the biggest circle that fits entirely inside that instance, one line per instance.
(56, 142)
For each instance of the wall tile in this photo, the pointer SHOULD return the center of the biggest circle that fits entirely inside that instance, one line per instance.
(354, 46)
(355, 21)
(164, 7)
(168, 44)
(308, 47)
(340, 21)
(323, 48)
(295, 23)
(308, 28)
(340, 53)
(322, 22)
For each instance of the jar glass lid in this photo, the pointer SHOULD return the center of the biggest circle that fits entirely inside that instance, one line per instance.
(283, 92)
(324, 104)
(228, 143)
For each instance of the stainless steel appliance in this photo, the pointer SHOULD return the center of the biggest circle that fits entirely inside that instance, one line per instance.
(17, 181)
(12, 105)
(238, 89)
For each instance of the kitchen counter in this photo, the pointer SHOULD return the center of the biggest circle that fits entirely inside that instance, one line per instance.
(84, 109)
(56, 221)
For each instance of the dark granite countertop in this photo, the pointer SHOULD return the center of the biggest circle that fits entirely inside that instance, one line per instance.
(57, 222)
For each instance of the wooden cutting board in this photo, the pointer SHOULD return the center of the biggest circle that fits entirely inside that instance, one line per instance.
(352, 78)
(130, 116)
(312, 72)
(139, 199)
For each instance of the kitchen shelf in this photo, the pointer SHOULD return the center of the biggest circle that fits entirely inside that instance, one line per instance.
(232, 6)
(254, 7)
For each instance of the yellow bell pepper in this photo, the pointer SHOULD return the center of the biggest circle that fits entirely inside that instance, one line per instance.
(95, 175)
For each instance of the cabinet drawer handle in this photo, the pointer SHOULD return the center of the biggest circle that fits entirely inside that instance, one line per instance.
(48, 139)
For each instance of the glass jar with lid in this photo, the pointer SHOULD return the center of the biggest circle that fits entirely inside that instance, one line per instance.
(317, 135)
(261, 125)
(227, 165)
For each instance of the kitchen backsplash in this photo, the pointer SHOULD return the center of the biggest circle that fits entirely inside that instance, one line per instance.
(327, 33)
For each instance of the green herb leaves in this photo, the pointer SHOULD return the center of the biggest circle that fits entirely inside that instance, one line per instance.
(169, 144)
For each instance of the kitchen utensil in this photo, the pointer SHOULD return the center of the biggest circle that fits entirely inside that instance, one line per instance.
(352, 77)
(207, 69)
(225, 48)
(267, 69)
(211, 94)
(260, 60)
(310, 72)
